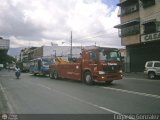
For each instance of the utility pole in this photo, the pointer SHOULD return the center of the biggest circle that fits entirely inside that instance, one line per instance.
(71, 45)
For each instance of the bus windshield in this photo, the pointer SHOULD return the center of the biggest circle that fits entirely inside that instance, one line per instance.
(47, 61)
(110, 56)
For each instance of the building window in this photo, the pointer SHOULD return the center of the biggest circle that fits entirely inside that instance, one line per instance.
(150, 28)
(158, 25)
(148, 3)
(129, 9)
(131, 30)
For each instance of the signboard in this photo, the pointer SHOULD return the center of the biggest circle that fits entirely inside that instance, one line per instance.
(150, 37)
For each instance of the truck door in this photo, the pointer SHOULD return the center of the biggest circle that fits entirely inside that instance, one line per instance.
(92, 60)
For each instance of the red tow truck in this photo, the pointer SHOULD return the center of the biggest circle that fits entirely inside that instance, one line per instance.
(98, 64)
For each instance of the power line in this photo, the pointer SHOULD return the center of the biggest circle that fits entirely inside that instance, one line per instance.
(94, 33)
(90, 37)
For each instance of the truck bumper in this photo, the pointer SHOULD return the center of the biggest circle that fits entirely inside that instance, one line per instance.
(108, 77)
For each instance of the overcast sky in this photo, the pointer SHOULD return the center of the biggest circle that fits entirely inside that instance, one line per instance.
(42, 22)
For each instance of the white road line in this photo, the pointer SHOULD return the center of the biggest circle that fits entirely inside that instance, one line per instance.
(7, 100)
(92, 104)
(86, 102)
(82, 101)
(43, 86)
(133, 92)
(78, 99)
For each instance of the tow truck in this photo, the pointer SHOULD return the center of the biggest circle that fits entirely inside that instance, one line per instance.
(98, 64)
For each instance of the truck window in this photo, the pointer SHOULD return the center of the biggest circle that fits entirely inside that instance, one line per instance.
(109, 56)
(93, 56)
(102, 56)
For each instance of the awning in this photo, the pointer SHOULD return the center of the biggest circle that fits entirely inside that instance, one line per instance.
(119, 4)
(127, 2)
(148, 21)
(129, 23)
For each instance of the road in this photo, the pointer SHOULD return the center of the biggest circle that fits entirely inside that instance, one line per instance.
(42, 95)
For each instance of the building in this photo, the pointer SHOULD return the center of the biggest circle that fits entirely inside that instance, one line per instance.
(4, 45)
(24, 54)
(48, 51)
(140, 32)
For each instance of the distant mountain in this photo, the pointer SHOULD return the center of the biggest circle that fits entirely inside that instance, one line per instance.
(14, 51)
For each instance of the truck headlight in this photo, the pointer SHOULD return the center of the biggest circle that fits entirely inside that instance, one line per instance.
(101, 72)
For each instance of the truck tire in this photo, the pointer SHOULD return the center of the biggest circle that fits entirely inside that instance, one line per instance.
(151, 75)
(55, 74)
(108, 82)
(88, 78)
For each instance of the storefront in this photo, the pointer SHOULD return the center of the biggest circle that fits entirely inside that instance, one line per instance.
(146, 51)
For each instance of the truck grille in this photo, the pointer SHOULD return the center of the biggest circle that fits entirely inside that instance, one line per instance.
(111, 68)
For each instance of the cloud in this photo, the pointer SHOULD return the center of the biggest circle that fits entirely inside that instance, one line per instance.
(40, 22)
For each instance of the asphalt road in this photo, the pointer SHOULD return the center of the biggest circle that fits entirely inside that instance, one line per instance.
(42, 95)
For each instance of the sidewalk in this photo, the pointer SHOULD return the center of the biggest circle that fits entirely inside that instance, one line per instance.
(3, 102)
(137, 75)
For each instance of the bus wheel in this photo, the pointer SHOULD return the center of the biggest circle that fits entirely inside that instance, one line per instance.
(88, 78)
(55, 74)
(51, 75)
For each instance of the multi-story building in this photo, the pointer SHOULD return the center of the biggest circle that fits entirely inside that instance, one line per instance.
(140, 32)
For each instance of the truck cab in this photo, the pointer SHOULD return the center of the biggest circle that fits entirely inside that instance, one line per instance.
(104, 65)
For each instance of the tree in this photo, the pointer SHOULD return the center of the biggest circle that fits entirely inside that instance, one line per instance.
(7, 59)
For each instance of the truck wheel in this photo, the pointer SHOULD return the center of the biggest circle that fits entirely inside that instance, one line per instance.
(108, 82)
(55, 74)
(151, 75)
(88, 78)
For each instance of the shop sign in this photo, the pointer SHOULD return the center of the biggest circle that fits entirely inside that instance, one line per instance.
(150, 37)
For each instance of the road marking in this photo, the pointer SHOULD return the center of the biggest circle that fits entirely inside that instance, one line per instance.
(86, 102)
(43, 86)
(81, 100)
(133, 92)
(76, 98)
(7, 100)
(94, 105)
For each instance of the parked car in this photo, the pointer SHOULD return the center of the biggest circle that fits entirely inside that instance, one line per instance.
(152, 69)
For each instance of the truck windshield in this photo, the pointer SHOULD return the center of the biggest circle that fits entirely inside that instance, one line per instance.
(110, 56)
